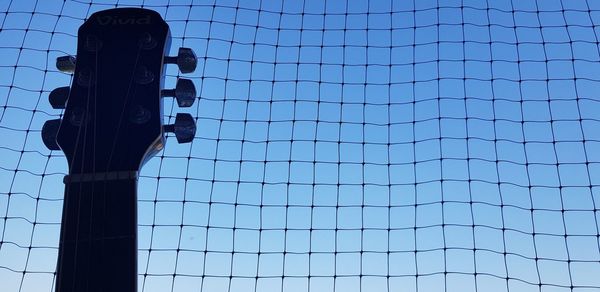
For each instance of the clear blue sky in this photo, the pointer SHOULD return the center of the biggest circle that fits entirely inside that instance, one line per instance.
(384, 146)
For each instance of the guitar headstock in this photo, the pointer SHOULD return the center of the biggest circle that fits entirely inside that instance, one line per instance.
(113, 109)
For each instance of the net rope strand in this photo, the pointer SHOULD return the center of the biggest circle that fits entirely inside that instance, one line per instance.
(527, 171)
(340, 147)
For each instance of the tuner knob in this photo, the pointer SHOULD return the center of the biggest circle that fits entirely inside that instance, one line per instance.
(58, 97)
(65, 64)
(186, 60)
(49, 133)
(184, 128)
(184, 92)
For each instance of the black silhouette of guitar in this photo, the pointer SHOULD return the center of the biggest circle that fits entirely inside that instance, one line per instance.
(112, 124)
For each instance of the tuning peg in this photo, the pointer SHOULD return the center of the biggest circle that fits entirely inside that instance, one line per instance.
(58, 97)
(184, 92)
(186, 60)
(184, 128)
(49, 132)
(65, 64)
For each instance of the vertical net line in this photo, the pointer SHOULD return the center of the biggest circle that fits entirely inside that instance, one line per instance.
(284, 252)
(440, 140)
(555, 157)
(554, 141)
(245, 141)
(260, 254)
(414, 143)
(230, 253)
(362, 150)
(339, 147)
(187, 166)
(310, 253)
(214, 161)
(389, 147)
(239, 176)
(584, 142)
(531, 213)
(212, 202)
(497, 168)
(15, 66)
(225, 99)
(265, 160)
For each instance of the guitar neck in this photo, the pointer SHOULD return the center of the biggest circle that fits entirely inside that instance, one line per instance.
(98, 238)
(112, 121)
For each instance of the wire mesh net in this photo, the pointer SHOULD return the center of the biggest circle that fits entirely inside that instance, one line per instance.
(359, 146)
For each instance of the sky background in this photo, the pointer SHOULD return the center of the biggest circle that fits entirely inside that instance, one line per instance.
(360, 146)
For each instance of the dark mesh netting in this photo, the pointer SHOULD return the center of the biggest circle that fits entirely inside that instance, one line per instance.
(360, 146)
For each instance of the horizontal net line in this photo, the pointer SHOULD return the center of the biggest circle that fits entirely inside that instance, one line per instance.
(437, 7)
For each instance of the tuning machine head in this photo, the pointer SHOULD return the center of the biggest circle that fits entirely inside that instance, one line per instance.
(49, 133)
(184, 92)
(184, 128)
(66, 64)
(186, 60)
(58, 97)
(58, 100)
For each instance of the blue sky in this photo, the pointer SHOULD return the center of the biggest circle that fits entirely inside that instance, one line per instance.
(360, 146)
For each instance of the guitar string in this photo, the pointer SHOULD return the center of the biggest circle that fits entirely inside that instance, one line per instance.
(82, 127)
(120, 122)
(64, 222)
(94, 139)
(104, 183)
(115, 139)
(83, 124)
(78, 139)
